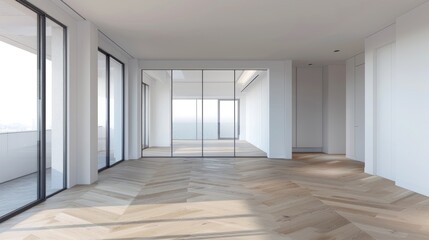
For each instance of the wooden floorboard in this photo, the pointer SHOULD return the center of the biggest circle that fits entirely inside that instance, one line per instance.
(314, 196)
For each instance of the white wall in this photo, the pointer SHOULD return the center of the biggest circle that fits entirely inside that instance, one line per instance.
(396, 97)
(384, 64)
(133, 143)
(355, 108)
(294, 103)
(280, 95)
(18, 154)
(309, 109)
(350, 99)
(379, 74)
(87, 120)
(254, 101)
(334, 109)
(319, 109)
(410, 100)
(159, 107)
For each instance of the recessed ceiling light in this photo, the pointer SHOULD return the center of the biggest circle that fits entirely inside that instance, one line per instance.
(337, 50)
(246, 76)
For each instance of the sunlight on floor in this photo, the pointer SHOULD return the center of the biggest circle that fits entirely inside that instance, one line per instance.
(192, 220)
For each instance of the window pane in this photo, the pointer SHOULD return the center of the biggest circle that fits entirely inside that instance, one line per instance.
(116, 111)
(210, 110)
(18, 107)
(226, 119)
(184, 119)
(102, 110)
(55, 127)
(218, 121)
(187, 127)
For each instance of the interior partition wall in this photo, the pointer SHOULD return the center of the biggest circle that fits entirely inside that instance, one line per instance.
(110, 110)
(33, 107)
(204, 113)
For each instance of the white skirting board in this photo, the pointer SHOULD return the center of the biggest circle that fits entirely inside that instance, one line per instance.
(307, 150)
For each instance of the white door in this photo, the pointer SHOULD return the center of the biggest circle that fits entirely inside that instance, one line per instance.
(360, 113)
(384, 165)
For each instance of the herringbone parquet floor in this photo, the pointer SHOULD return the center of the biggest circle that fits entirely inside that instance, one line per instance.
(314, 196)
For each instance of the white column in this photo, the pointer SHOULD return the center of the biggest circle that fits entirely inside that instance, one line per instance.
(280, 110)
(86, 131)
(134, 110)
(334, 109)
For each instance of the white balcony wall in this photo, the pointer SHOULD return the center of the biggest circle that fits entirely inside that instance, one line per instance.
(18, 154)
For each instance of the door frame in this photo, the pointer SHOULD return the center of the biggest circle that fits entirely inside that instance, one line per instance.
(144, 115)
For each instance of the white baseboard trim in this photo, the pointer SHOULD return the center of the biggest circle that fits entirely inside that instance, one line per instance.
(307, 149)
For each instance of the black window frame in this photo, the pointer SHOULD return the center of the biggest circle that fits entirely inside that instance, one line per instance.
(108, 57)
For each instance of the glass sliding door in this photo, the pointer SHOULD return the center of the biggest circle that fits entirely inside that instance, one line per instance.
(218, 88)
(116, 111)
(32, 107)
(18, 109)
(102, 110)
(186, 119)
(110, 110)
(159, 112)
(55, 107)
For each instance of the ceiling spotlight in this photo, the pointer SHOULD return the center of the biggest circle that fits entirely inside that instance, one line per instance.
(337, 50)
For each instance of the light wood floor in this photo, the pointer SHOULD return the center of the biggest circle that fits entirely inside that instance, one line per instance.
(215, 148)
(312, 197)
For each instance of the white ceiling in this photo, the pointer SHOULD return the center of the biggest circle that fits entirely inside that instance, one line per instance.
(302, 30)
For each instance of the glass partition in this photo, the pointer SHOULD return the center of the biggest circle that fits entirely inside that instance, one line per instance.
(18, 110)
(186, 120)
(110, 110)
(214, 113)
(55, 107)
(116, 111)
(218, 88)
(159, 113)
(102, 110)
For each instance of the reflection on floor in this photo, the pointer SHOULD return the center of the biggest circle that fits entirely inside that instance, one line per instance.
(217, 148)
(314, 196)
(21, 191)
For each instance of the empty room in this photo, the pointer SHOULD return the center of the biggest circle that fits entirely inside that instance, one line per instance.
(226, 119)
